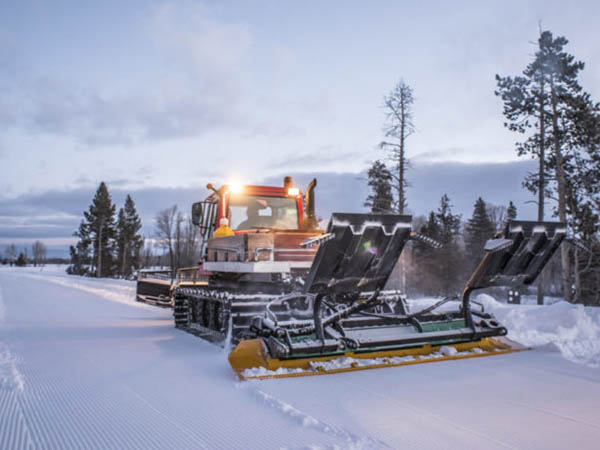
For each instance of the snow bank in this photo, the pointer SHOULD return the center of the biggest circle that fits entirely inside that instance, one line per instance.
(113, 289)
(572, 329)
(48, 268)
(120, 291)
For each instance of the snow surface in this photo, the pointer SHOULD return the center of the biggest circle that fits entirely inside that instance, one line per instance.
(82, 365)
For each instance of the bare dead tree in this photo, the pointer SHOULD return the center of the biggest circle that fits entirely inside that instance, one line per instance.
(497, 214)
(11, 253)
(178, 240)
(190, 243)
(148, 258)
(398, 127)
(165, 224)
(38, 249)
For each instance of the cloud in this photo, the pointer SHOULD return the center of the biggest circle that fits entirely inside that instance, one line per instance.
(323, 156)
(438, 154)
(56, 214)
(189, 33)
(496, 183)
(197, 88)
(8, 103)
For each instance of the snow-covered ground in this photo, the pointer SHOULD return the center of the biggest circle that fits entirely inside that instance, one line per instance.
(82, 365)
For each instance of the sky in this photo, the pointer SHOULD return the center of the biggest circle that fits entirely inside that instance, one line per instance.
(157, 98)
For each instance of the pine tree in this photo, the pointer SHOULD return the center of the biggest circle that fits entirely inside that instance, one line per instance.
(587, 262)
(450, 255)
(129, 241)
(582, 190)
(478, 230)
(426, 259)
(545, 93)
(80, 253)
(563, 86)
(380, 200)
(122, 242)
(441, 271)
(511, 211)
(525, 100)
(21, 260)
(101, 224)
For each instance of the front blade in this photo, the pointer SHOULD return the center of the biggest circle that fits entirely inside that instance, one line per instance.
(250, 359)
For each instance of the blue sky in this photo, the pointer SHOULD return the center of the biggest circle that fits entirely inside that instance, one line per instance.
(154, 95)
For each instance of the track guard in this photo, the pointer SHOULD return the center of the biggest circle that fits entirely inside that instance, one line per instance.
(514, 258)
(361, 255)
(518, 254)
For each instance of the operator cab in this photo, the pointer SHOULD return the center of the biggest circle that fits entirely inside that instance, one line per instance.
(251, 208)
(250, 212)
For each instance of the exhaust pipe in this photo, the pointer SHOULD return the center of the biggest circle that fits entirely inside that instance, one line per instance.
(309, 201)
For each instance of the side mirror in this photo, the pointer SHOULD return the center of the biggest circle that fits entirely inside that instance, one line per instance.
(197, 213)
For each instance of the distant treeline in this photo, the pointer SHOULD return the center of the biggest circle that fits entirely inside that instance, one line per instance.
(14, 257)
(430, 271)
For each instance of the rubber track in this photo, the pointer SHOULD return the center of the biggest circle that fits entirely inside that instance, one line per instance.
(240, 311)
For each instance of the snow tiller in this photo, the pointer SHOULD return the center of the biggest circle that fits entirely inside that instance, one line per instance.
(296, 300)
(356, 325)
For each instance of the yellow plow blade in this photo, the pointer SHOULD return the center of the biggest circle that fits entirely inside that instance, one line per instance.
(250, 359)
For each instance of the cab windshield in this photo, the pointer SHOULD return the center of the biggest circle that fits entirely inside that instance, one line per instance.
(247, 212)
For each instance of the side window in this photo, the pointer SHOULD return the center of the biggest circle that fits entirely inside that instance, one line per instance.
(237, 214)
(265, 212)
(288, 218)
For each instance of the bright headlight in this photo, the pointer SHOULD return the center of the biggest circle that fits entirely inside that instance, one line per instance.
(236, 188)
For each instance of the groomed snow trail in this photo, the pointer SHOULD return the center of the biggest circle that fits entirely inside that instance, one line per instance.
(87, 367)
(102, 374)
